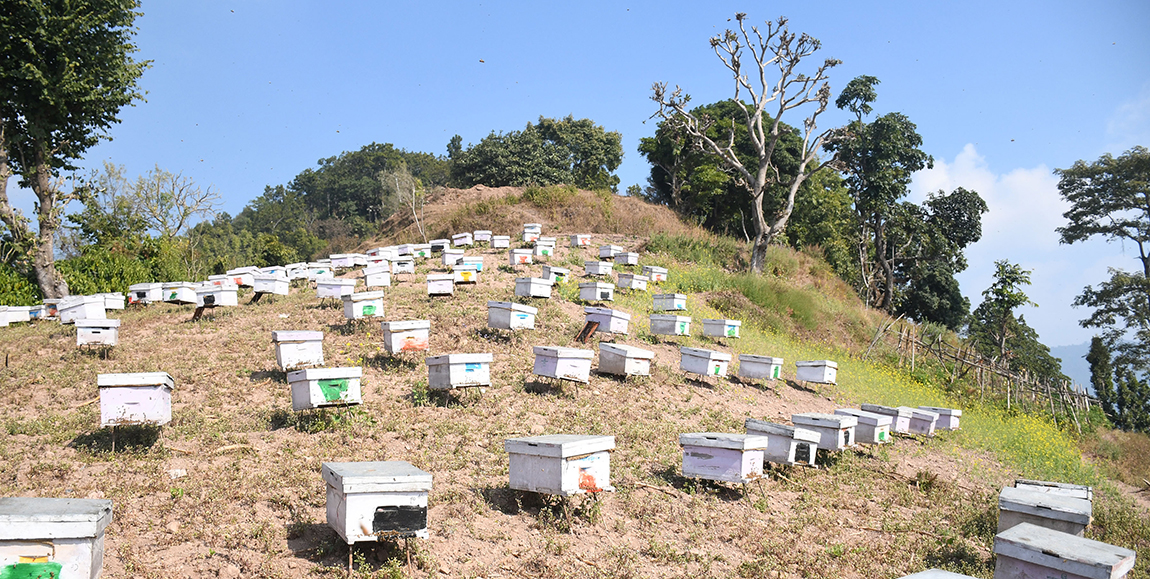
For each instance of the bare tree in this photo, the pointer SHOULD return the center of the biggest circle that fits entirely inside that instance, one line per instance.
(169, 202)
(775, 49)
(407, 190)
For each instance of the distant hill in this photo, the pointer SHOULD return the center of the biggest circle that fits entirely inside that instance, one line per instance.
(1074, 362)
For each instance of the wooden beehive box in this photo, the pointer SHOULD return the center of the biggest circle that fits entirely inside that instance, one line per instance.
(271, 283)
(609, 251)
(113, 300)
(530, 236)
(597, 267)
(900, 416)
(19, 314)
(406, 336)
(872, 428)
(180, 293)
(623, 360)
(556, 274)
(1056, 488)
(438, 245)
(655, 274)
(610, 321)
(542, 249)
(341, 261)
(212, 295)
(363, 305)
(532, 287)
(721, 328)
(703, 362)
(819, 371)
(334, 287)
(627, 258)
(597, 291)
(377, 275)
(500, 241)
(98, 332)
(465, 273)
(403, 264)
(756, 367)
(74, 308)
(477, 261)
(736, 458)
(140, 398)
(421, 250)
(670, 325)
(560, 464)
(483, 235)
(145, 293)
(510, 316)
(785, 444)
(948, 418)
(633, 281)
(836, 432)
(669, 302)
(317, 271)
(452, 256)
(519, 257)
(1029, 551)
(922, 421)
(52, 538)
(561, 363)
(580, 240)
(320, 387)
(1065, 514)
(219, 279)
(298, 348)
(533, 227)
(462, 240)
(372, 501)
(440, 284)
(458, 371)
(243, 277)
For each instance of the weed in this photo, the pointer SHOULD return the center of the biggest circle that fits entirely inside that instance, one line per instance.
(420, 395)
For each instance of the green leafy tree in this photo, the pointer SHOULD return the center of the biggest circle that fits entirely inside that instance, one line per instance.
(1132, 401)
(1101, 374)
(993, 322)
(66, 70)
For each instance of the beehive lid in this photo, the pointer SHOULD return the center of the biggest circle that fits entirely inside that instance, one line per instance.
(822, 420)
(633, 277)
(459, 359)
(440, 277)
(374, 269)
(135, 379)
(922, 414)
(595, 262)
(482, 231)
(596, 285)
(723, 322)
(140, 287)
(611, 247)
(438, 242)
(868, 418)
(817, 363)
(670, 296)
(760, 359)
(629, 254)
(899, 412)
(325, 374)
(217, 287)
(336, 281)
(701, 353)
(755, 426)
(627, 351)
(520, 250)
(551, 269)
(270, 277)
(655, 269)
(475, 259)
(561, 352)
(373, 477)
(451, 251)
(723, 440)
(669, 318)
(27, 518)
(502, 237)
(541, 280)
(243, 270)
(403, 259)
(97, 323)
(465, 267)
(559, 445)
(936, 574)
(461, 235)
(296, 336)
(942, 411)
(167, 285)
(1063, 488)
(405, 325)
(606, 312)
(1045, 505)
(513, 307)
(364, 296)
(1064, 552)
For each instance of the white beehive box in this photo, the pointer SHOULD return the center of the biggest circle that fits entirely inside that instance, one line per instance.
(145, 293)
(180, 293)
(98, 332)
(669, 302)
(1056, 488)
(440, 284)
(633, 281)
(532, 287)
(438, 245)
(936, 574)
(1029, 551)
(49, 537)
(483, 235)
(820, 371)
(721, 328)
(561, 363)
(610, 321)
(421, 250)
(477, 261)
(510, 316)
(609, 251)
(334, 287)
(1066, 514)
(627, 258)
(530, 236)
(271, 283)
(38, 312)
(74, 308)
(597, 267)
(363, 305)
(403, 264)
(560, 464)
(669, 325)
(543, 249)
(140, 398)
(3, 316)
(703, 362)
(580, 240)
(736, 458)
(948, 418)
(556, 274)
(377, 276)
(113, 301)
(922, 421)
(597, 292)
(372, 501)
(623, 360)
(458, 371)
(320, 387)
(900, 416)
(500, 241)
(452, 256)
(785, 444)
(533, 227)
(544, 240)
(52, 307)
(19, 314)
(406, 336)
(298, 348)
(655, 274)
(212, 295)
(872, 428)
(341, 260)
(836, 432)
(519, 257)
(465, 273)
(756, 367)
(462, 240)
(243, 277)
(219, 279)
(317, 271)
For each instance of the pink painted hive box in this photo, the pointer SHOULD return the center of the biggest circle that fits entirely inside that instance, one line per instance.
(139, 398)
(406, 336)
(736, 458)
(560, 464)
(1029, 551)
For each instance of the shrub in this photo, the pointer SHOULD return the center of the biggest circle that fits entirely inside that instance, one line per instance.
(17, 289)
(98, 270)
(550, 196)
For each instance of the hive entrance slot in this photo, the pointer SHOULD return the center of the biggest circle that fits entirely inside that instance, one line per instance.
(802, 452)
(399, 520)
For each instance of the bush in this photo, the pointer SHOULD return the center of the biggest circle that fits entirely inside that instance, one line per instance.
(17, 289)
(99, 271)
(550, 196)
(701, 249)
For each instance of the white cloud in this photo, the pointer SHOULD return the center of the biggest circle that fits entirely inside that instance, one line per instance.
(1129, 124)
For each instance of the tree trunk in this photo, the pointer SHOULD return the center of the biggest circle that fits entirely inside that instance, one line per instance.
(52, 284)
(762, 240)
(884, 263)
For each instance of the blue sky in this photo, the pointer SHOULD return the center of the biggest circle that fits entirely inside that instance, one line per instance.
(245, 94)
